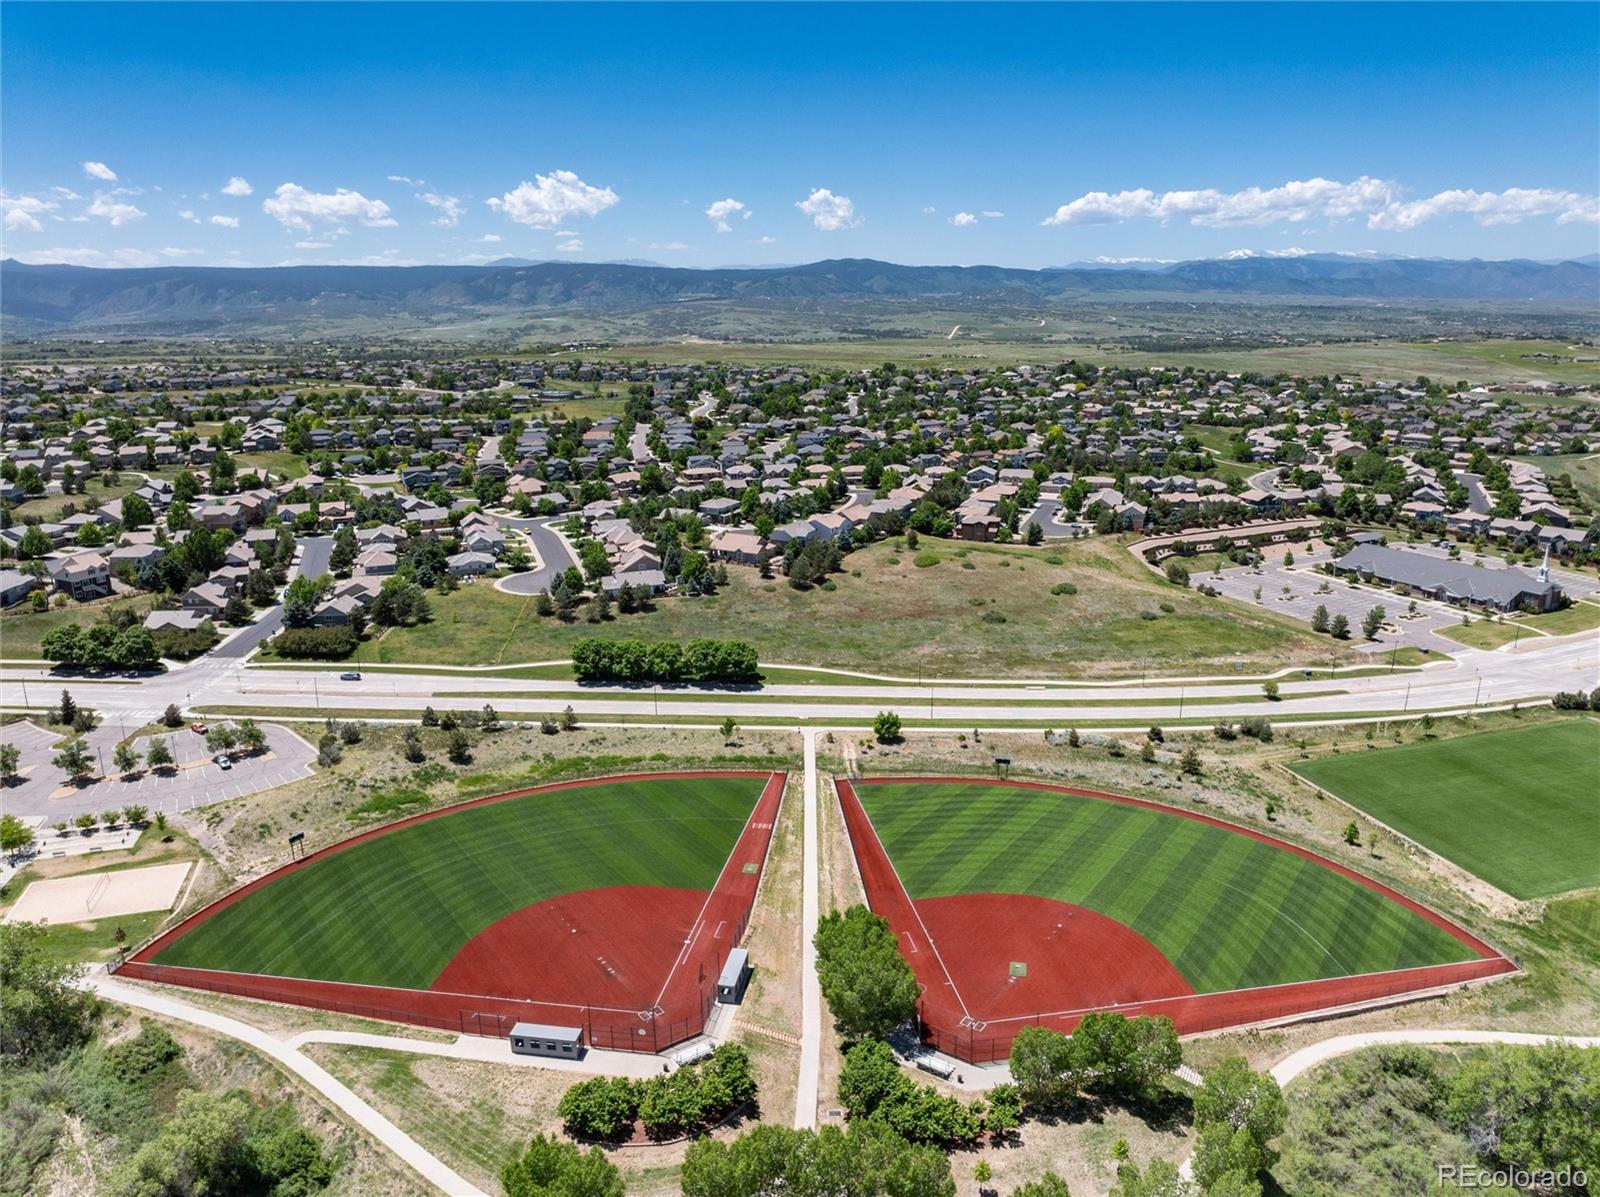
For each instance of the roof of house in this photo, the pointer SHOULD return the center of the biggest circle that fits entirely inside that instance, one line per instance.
(1457, 579)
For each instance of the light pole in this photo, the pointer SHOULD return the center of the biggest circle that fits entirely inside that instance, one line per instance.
(1406, 706)
(1477, 692)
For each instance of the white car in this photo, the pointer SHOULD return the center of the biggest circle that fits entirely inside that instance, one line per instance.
(224, 761)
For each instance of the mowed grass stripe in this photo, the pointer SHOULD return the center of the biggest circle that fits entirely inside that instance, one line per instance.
(1229, 911)
(1515, 807)
(395, 909)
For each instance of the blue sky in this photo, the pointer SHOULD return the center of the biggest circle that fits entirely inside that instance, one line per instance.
(723, 134)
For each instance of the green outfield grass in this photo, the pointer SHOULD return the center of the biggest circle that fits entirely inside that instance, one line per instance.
(1515, 807)
(395, 909)
(1230, 912)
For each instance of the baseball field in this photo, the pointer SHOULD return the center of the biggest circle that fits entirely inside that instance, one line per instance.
(1020, 899)
(1516, 807)
(598, 896)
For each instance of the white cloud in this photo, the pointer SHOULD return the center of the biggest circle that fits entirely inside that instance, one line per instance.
(829, 212)
(929, 211)
(720, 214)
(671, 247)
(1511, 206)
(99, 170)
(172, 251)
(313, 244)
(294, 207)
(571, 247)
(188, 214)
(227, 222)
(237, 187)
(963, 219)
(552, 198)
(65, 193)
(1379, 201)
(22, 212)
(407, 180)
(117, 212)
(991, 215)
(450, 208)
(490, 238)
(766, 239)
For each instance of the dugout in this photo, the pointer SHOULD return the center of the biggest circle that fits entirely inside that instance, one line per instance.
(735, 976)
(537, 1039)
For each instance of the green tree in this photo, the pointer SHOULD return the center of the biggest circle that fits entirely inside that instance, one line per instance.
(1339, 629)
(869, 987)
(136, 513)
(10, 758)
(1045, 1065)
(34, 544)
(551, 1168)
(460, 748)
(602, 1108)
(44, 1013)
(74, 760)
(1319, 619)
(1159, 1179)
(159, 753)
(251, 736)
(886, 727)
(1372, 622)
(1536, 1107)
(125, 757)
(15, 835)
(1352, 834)
(728, 727)
(1048, 1185)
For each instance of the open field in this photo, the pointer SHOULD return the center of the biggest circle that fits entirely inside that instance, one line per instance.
(1493, 360)
(395, 909)
(1514, 807)
(1580, 617)
(1584, 468)
(1485, 634)
(948, 609)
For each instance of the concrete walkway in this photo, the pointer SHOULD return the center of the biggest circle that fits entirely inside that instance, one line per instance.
(1308, 1058)
(805, 1096)
(428, 1166)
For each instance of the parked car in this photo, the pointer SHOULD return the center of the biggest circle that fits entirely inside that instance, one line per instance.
(198, 729)
(224, 761)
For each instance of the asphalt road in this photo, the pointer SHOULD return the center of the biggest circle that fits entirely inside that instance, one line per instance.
(314, 554)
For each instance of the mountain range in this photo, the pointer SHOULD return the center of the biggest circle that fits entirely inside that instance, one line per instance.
(60, 298)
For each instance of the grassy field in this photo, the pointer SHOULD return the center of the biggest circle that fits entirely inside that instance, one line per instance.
(1230, 912)
(279, 462)
(1580, 617)
(1584, 469)
(1484, 634)
(1515, 807)
(947, 610)
(21, 630)
(395, 909)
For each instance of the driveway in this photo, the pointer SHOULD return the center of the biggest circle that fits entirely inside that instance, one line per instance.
(1048, 516)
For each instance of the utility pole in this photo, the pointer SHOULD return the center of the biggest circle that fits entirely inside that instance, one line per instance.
(1477, 692)
(1407, 705)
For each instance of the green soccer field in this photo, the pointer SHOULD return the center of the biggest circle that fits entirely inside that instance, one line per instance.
(1228, 911)
(1519, 808)
(395, 909)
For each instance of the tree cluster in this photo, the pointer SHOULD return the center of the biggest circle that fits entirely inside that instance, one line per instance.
(680, 1102)
(701, 660)
(1108, 1055)
(100, 646)
(867, 1160)
(869, 987)
(872, 1085)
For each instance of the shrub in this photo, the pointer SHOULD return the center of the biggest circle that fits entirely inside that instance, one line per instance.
(886, 727)
(314, 644)
(1063, 588)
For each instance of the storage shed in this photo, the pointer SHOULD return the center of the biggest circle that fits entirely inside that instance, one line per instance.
(537, 1039)
(735, 975)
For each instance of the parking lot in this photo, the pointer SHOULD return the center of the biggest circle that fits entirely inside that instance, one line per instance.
(1297, 591)
(197, 780)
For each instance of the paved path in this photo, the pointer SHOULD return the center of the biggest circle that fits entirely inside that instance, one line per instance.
(411, 1153)
(805, 1097)
(1307, 1058)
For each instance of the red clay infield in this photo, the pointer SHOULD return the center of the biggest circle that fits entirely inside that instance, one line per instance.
(1079, 961)
(635, 966)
